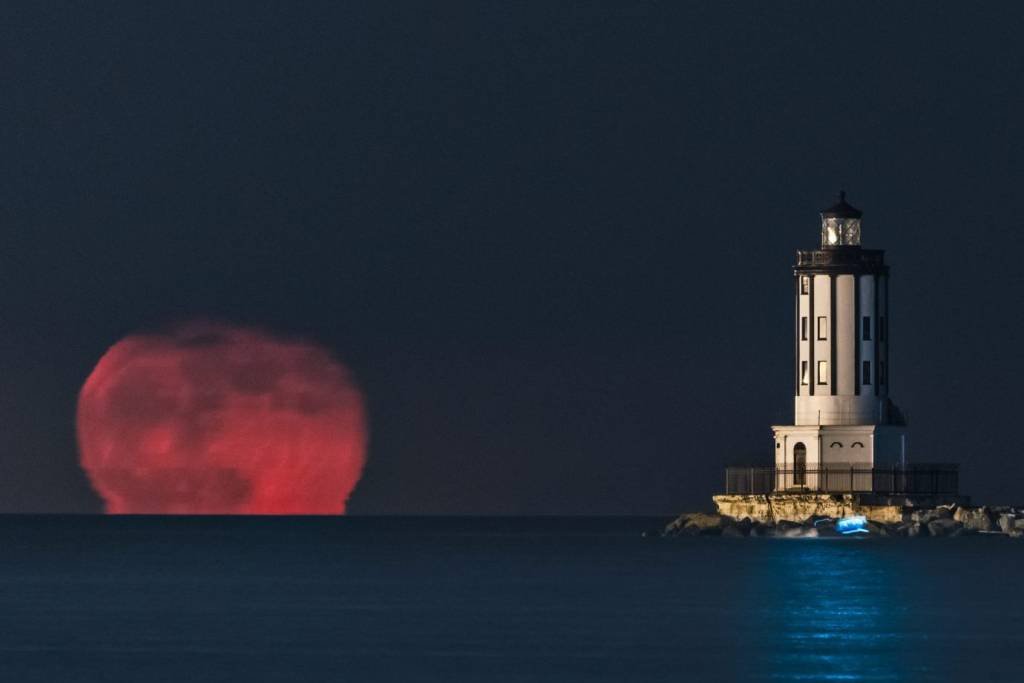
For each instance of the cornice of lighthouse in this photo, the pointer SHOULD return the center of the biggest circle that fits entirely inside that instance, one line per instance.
(846, 259)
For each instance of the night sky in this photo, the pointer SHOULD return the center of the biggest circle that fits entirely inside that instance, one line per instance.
(553, 241)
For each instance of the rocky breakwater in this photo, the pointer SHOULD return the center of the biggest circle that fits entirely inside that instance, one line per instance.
(940, 521)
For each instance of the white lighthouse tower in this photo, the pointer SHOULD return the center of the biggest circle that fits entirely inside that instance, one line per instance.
(844, 419)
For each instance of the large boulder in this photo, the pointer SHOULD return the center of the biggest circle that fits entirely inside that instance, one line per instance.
(944, 526)
(1007, 522)
(784, 525)
(923, 516)
(974, 519)
(826, 530)
(876, 529)
(705, 524)
(675, 526)
(733, 531)
(678, 526)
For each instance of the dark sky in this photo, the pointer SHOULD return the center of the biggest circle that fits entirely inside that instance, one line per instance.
(552, 240)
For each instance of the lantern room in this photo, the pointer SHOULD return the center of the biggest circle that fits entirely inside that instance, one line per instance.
(840, 225)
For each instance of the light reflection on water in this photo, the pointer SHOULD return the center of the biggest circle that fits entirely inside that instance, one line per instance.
(835, 611)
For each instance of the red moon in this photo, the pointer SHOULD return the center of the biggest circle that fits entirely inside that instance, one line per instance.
(214, 419)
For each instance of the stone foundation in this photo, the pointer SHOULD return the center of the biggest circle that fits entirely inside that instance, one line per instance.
(798, 507)
(915, 518)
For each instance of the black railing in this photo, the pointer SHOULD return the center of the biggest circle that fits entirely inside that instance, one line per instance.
(931, 479)
(842, 256)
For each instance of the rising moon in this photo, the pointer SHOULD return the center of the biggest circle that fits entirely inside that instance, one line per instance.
(218, 419)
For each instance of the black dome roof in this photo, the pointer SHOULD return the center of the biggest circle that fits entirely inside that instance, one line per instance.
(841, 209)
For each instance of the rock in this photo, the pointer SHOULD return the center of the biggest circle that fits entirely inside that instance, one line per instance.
(694, 523)
(827, 531)
(943, 526)
(876, 529)
(732, 531)
(744, 525)
(1015, 533)
(705, 524)
(784, 525)
(1007, 522)
(703, 520)
(923, 516)
(914, 530)
(944, 512)
(674, 527)
(974, 519)
(824, 525)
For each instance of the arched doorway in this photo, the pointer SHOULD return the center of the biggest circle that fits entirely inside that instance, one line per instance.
(799, 465)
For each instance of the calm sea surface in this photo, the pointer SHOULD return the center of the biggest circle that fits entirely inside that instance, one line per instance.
(466, 599)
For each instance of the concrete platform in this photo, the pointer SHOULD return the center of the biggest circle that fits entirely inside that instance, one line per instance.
(797, 507)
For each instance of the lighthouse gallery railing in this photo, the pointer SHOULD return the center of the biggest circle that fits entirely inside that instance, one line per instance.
(923, 479)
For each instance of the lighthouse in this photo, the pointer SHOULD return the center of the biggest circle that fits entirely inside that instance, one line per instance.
(843, 418)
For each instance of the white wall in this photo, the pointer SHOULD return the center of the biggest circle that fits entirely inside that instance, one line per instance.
(846, 331)
(847, 407)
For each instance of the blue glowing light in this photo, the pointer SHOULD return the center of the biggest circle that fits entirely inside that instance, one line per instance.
(854, 524)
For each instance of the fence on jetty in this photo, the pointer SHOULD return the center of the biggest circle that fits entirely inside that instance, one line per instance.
(923, 479)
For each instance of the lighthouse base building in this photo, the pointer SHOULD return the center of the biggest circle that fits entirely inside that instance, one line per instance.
(807, 454)
(847, 434)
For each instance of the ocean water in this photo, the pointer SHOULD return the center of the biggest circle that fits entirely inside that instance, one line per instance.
(478, 599)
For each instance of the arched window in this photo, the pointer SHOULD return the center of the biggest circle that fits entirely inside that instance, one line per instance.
(835, 444)
(856, 444)
(799, 464)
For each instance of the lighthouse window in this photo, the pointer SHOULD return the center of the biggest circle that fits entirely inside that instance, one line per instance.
(803, 328)
(866, 373)
(822, 327)
(805, 285)
(803, 372)
(822, 372)
(866, 328)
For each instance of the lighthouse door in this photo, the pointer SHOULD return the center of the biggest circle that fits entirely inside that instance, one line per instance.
(799, 465)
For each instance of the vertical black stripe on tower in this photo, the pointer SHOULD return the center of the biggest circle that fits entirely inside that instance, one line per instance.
(874, 370)
(812, 337)
(856, 334)
(833, 327)
(797, 335)
(888, 322)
